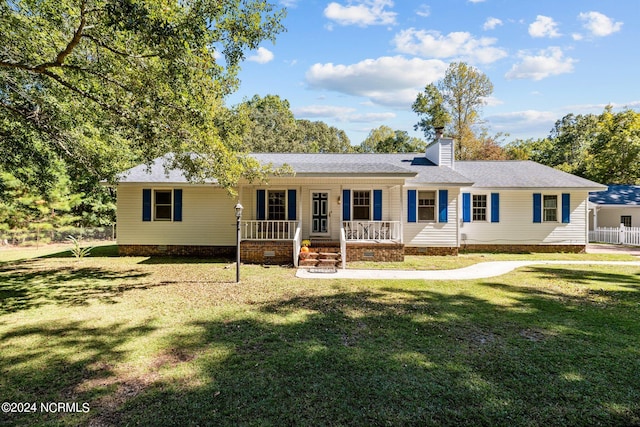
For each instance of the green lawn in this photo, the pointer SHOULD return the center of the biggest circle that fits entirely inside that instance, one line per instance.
(171, 342)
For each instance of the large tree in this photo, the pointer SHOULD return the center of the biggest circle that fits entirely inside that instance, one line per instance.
(271, 125)
(604, 148)
(319, 137)
(272, 128)
(101, 84)
(383, 139)
(455, 102)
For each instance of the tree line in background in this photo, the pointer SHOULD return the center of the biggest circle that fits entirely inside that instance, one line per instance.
(89, 88)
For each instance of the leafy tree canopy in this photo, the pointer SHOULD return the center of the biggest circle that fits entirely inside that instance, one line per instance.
(104, 84)
(455, 103)
(604, 148)
(272, 128)
(386, 140)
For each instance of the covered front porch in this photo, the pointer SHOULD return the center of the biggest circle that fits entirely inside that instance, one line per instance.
(280, 241)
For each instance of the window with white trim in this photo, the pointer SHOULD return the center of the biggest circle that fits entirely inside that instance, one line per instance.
(625, 220)
(550, 208)
(277, 205)
(162, 206)
(479, 206)
(426, 206)
(362, 205)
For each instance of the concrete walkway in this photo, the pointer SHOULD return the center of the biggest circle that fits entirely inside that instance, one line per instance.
(481, 270)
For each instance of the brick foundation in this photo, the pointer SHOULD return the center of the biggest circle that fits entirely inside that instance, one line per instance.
(431, 251)
(519, 249)
(178, 250)
(266, 252)
(389, 252)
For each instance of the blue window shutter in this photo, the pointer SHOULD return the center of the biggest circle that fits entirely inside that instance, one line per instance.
(411, 205)
(292, 205)
(495, 207)
(346, 205)
(146, 204)
(537, 207)
(261, 213)
(566, 208)
(466, 207)
(443, 203)
(377, 205)
(177, 205)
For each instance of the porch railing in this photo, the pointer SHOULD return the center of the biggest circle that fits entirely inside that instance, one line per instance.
(371, 230)
(268, 230)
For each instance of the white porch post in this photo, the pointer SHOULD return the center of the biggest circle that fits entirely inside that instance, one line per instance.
(401, 213)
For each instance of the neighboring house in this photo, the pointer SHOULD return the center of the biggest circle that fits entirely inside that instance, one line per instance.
(370, 206)
(620, 204)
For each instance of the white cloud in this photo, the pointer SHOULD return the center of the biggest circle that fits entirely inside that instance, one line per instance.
(322, 111)
(363, 13)
(577, 36)
(424, 10)
(492, 101)
(343, 114)
(371, 117)
(528, 123)
(547, 62)
(476, 1)
(289, 3)
(393, 81)
(597, 108)
(453, 45)
(599, 25)
(491, 23)
(262, 56)
(544, 26)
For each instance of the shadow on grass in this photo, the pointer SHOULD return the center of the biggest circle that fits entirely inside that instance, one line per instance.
(67, 362)
(106, 251)
(185, 260)
(27, 285)
(397, 355)
(587, 276)
(403, 357)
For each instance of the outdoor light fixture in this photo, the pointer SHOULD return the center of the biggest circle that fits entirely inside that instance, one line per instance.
(238, 209)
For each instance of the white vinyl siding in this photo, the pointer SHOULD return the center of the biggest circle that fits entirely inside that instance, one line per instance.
(433, 234)
(208, 218)
(334, 186)
(611, 216)
(516, 224)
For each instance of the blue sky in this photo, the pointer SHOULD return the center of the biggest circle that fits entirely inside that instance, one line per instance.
(359, 64)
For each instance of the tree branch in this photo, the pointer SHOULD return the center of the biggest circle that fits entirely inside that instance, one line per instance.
(116, 51)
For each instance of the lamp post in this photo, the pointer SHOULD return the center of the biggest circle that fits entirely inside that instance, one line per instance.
(238, 208)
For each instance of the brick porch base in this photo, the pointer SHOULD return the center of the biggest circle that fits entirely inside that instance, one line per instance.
(178, 250)
(519, 249)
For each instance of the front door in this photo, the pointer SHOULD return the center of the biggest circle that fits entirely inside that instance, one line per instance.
(319, 213)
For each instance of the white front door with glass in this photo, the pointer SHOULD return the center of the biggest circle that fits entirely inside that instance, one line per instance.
(319, 213)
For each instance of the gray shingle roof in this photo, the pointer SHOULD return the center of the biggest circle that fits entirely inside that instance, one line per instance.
(628, 195)
(154, 173)
(521, 174)
(414, 167)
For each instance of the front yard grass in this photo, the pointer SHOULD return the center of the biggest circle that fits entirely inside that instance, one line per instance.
(420, 262)
(177, 342)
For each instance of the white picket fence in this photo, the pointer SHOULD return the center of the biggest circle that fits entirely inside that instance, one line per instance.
(616, 235)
